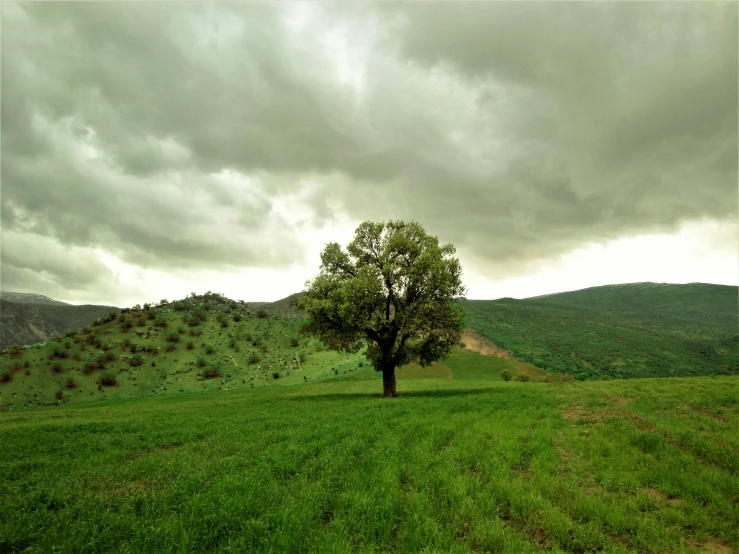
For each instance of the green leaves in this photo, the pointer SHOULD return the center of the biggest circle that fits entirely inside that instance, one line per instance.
(395, 288)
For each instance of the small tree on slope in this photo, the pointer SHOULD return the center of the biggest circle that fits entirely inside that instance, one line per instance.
(394, 288)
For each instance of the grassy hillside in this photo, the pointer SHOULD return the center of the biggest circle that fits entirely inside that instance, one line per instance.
(200, 343)
(457, 465)
(33, 322)
(640, 330)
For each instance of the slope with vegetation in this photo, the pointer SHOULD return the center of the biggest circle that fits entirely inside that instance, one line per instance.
(201, 343)
(621, 331)
(457, 466)
(26, 319)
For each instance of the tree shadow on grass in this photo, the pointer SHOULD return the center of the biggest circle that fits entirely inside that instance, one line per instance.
(433, 393)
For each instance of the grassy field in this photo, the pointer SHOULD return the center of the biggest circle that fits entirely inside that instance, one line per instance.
(467, 464)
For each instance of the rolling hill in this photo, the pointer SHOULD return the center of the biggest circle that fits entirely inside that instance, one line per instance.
(42, 318)
(622, 331)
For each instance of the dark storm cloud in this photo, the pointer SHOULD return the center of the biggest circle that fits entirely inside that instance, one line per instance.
(162, 132)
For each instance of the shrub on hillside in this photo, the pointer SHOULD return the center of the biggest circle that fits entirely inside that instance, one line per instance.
(57, 368)
(160, 322)
(522, 378)
(170, 347)
(107, 380)
(254, 359)
(6, 377)
(141, 321)
(582, 376)
(237, 317)
(232, 343)
(505, 375)
(14, 351)
(262, 314)
(181, 330)
(70, 383)
(568, 378)
(195, 332)
(59, 395)
(190, 345)
(211, 373)
(150, 315)
(209, 349)
(89, 366)
(275, 375)
(200, 361)
(126, 326)
(136, 360)
(294, 343)
(173, 337)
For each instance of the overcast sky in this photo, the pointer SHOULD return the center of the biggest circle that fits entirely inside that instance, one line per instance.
(150, 150)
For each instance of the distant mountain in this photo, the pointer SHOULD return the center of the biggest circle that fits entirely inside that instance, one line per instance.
(631, 330)
(36, 321)
(30, 298)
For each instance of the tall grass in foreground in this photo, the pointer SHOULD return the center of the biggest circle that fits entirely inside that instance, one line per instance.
(450, 466)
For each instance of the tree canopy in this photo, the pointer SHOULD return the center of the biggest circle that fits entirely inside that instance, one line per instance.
(394, 288)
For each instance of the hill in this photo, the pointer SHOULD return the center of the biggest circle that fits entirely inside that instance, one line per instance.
(201, 343)
(36, 321)
(635, 330)
(455, 466)
(284, 306)
(30, 298)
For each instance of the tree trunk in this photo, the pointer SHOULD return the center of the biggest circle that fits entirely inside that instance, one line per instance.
(388, 382)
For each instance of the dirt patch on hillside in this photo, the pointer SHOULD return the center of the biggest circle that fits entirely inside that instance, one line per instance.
(654, 494)
(714, 546)
(475, 343)
(36, 331)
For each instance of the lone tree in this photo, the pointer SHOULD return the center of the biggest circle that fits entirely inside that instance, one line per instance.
(395, 289)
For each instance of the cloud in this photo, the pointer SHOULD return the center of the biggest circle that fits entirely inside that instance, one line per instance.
(175, 139)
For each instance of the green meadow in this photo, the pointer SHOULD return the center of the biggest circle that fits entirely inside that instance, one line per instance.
(459, 463)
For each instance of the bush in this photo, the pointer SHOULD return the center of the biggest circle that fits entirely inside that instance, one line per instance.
(294, 343)
(107, 380)
(126, 325)
(209, 349)
(141, 321)
(505, 375)
(200, 361)
(160, 322)
(136, 360)
(582, 376)
(303, 357)
(237, 317)
(70, 383)
(261, 314)
(181, 330)
(522, 378)
(547, 378)
(211, 373)
(59, 395)
(14, 351)
(57, 368)
(568, 378)
(190, 345)
(275, 375)
(173, 337)
(171, 346)
(89, 366)
(195, 332)
(6, 377)
(254, 359)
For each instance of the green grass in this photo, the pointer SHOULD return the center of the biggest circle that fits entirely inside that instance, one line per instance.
(620, 331)
(469, 464)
